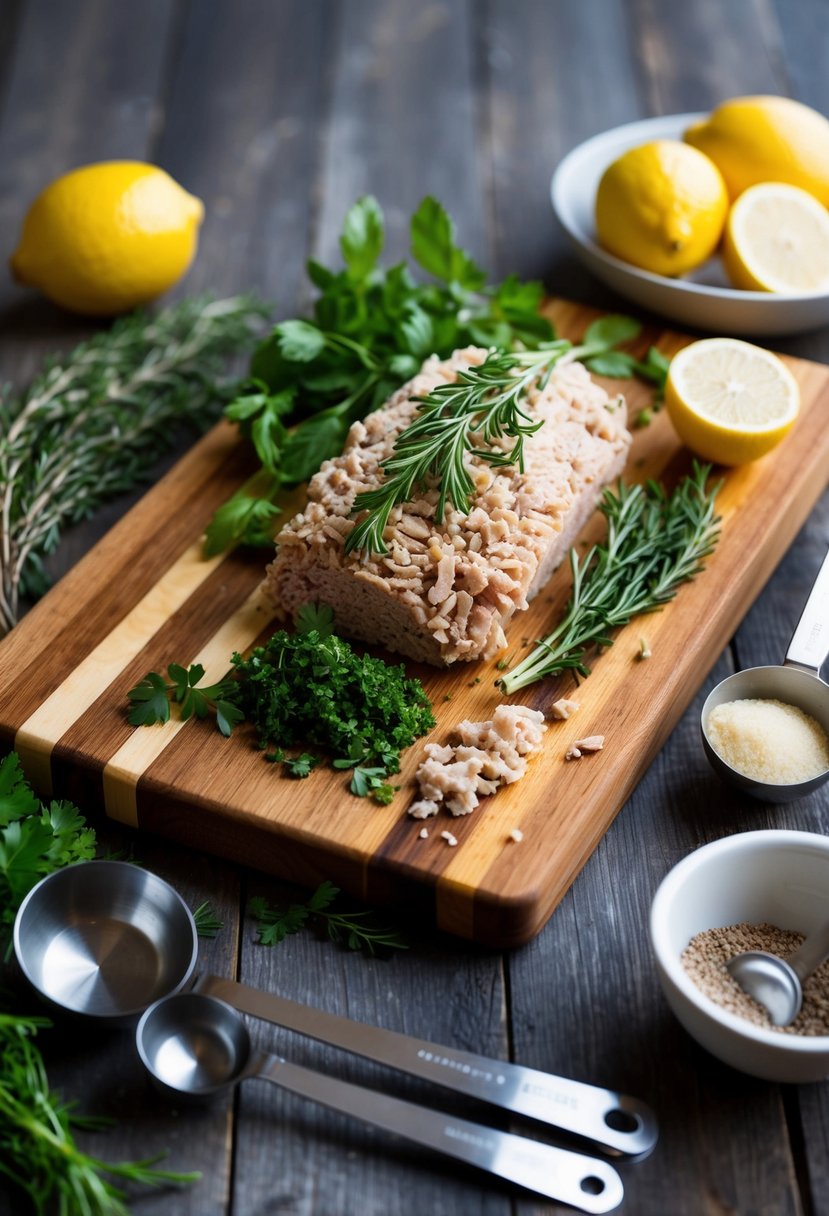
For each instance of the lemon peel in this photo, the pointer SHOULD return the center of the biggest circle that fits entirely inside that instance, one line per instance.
(730, 402)
(107, 237)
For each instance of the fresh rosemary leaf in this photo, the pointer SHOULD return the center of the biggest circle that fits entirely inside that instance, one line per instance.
(207, 922)
(655, 542)
(469, 417)
(93, 423)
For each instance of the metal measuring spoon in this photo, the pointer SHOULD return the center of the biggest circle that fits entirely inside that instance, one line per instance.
(196, 1045)
(776, 983)
(797, 682)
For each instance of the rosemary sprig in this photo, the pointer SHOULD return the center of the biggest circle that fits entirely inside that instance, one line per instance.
(655, 542)
(92, 424)
(274, 923)
(38, 1152)
(207, 922)
(468, 418)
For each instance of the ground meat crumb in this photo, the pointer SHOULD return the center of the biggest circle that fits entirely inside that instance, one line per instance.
(704, 959)
(424, 833)
(517, 835)
(593, 743)
(481, 758)
(449, 838)
(563, 709)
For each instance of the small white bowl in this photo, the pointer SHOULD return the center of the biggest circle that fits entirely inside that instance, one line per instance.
(781, 877)
(703, 299)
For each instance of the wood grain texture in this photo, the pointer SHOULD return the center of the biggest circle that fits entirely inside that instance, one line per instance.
(186, 783)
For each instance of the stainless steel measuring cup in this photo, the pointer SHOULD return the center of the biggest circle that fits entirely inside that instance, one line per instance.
(797, 682)
(105, 939)
(197, 1046)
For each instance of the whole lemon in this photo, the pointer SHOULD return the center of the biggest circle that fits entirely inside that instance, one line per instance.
(766, 139)
(108, 237)
(661, 206)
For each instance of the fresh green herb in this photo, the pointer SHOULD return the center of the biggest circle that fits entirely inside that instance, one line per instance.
(207, 922)
(35, 839)
(371, 783)
(483, 405)
(655, 542)
(302, 765)
(371, 331)
(310, 687)
(38, 1152)
(93, 423)
(152, 697)
(353, 929)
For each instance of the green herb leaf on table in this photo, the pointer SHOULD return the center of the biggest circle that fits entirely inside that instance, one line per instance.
(356, 930)
(93, 423)
(35, 839)
(655, 542)
(207, 922)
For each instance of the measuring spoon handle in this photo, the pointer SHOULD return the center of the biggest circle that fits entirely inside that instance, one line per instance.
(809, 646)
(810, 954)
(612, 1120)
(584, 1182)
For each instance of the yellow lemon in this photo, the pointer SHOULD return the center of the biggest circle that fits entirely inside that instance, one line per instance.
(730, 402)
(661, 206)
(777, 239)
(766, 139)
(107, 237)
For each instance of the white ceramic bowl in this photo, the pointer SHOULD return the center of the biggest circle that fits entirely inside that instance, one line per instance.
(703, 299)
(781, 877)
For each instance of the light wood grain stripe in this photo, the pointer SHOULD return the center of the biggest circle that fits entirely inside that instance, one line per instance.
(38, 735)
(124, 770)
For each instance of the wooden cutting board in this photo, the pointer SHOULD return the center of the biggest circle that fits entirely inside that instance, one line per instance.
(144, 597)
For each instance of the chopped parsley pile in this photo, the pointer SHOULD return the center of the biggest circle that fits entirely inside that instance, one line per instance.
(311, 688)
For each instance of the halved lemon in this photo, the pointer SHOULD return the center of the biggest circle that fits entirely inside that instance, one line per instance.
(730, 402)
(777, 239)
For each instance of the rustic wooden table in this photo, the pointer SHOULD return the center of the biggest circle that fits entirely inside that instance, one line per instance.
(278, 115)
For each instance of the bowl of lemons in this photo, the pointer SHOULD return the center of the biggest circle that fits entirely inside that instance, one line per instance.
(717, 220)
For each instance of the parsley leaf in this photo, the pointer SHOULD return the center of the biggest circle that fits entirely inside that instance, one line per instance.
(302, 765)
(152, 698)
(434, 247)
(315, 616)
(35, 839)
(362, 238)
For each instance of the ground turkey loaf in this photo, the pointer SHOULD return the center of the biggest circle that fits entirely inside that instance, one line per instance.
(444, 592)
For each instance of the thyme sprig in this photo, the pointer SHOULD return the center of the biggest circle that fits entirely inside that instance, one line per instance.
(355, 930)
(655, 542)
(38, 1152)
(470, 418)
(92, 424)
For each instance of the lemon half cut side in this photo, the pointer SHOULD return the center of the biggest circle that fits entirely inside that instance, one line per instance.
(730, 402)
(777, 239)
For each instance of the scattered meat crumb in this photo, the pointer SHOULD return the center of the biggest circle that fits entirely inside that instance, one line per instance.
(644, 649)
(593, 743)
(517, 835)
(449, 838)
(481, 758)
(423, 809)
(423, 833)
(563, 709)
